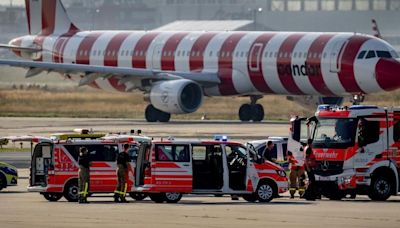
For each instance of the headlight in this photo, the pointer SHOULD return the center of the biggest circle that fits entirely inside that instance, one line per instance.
(346, 179)
(281, 173)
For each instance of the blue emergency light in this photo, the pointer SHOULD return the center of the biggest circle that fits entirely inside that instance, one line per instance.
(324, 107)
(222, 138)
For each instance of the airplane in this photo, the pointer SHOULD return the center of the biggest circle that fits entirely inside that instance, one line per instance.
(175, 70)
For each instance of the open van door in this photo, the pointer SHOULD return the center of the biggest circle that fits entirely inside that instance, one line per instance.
(299, 134)
(42, 158)
(141, 164)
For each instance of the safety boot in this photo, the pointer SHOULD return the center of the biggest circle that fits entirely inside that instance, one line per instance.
(116, 198)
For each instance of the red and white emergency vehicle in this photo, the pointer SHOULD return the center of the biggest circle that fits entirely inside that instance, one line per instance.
(356, 149)
(54, 164)
(168, 169)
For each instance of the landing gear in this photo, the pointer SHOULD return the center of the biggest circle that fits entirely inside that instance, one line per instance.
(153, 115)
(358, 99)
(252, 111)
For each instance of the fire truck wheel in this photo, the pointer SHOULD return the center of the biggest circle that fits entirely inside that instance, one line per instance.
(250, 197)
(337, 195)
(172, 197)
(53, 197)
(157, 197)
(71, 191)
(138, 195)
(380, 189)
(265, 192)
(3, 181)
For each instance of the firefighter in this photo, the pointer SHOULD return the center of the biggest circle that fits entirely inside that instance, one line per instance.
(84, 175)
(123, 173)
(296, 176)
(310, 165)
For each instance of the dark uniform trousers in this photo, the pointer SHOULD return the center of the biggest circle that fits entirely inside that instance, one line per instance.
(121, 184)
(84, 178)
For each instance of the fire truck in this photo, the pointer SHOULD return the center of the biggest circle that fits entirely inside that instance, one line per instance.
(54, 165)
(356, 149)
(167, 169)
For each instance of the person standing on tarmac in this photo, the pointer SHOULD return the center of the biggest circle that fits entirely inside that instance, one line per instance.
(310, 164)
(84, 175)
(296, 176)
(124, 167)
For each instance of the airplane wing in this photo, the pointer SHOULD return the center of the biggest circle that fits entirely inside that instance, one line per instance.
(18, 48)
(126, 74)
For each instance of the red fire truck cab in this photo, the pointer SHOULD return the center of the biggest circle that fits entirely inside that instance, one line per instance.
(168, 169)
(356, 149)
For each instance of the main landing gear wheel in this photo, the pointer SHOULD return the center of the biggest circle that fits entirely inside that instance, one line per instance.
(252, 111)
(153, 115)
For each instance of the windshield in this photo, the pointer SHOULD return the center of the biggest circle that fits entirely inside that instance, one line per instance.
(335, 133)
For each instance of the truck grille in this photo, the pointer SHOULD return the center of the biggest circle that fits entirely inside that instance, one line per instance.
(328, 168)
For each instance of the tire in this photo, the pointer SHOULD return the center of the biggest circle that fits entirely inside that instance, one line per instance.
(245, 112)
(53, 197)
(3, 181)
(257, 113)
(157, 197)
(336, 196)
(163, 117)
(265, 192)
(250, 197)
(172, 197)
(71, 191)
(151, 114)
(380, 189)
(138, 196)
(218, 195)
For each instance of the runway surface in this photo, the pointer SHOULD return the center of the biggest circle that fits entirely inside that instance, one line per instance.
(21, 209)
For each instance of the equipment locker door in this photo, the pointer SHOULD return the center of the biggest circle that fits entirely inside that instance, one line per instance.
(142, 163)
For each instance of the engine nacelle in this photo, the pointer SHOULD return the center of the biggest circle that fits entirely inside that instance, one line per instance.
(176, 96)
(312, 102)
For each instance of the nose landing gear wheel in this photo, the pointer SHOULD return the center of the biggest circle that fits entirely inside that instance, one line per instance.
(249, 112)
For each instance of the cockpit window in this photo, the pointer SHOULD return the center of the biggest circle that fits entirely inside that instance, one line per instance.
(361, 55)
(371, 54)
(383, 54)
(394, 54)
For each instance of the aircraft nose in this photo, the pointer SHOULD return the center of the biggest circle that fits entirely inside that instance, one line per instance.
(387, 73)
(15, 42)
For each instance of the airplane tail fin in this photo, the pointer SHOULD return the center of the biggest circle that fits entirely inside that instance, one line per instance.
(47, 17)
(375, 29)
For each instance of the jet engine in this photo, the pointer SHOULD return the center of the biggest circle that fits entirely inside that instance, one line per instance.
(176, 96)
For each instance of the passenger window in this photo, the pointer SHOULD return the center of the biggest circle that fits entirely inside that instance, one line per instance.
(383, 54)
(371, 54)
(178, 153)
(199, 153)
(368, 132)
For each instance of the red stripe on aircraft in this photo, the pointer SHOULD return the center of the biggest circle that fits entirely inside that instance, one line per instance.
(59, 46)
(113, 48)
(314, 64)
(196, 62)
(254, 62)
(85, 48)
(346, 74)
(48, 16)
(225, 58)
(284, 64)
(139, 54)
(168, 52)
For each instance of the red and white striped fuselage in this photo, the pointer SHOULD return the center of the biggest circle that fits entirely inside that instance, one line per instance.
(247, 63)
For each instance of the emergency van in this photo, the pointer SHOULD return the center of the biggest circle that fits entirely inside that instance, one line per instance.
(356, 149)
(54, 165)
(167, 169)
